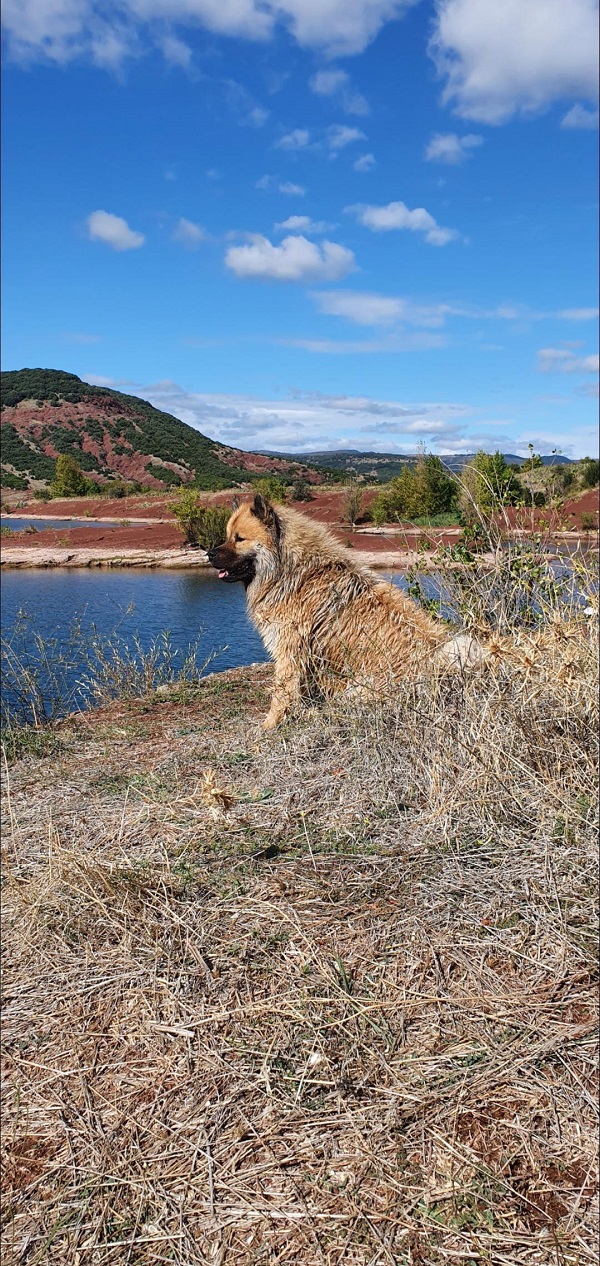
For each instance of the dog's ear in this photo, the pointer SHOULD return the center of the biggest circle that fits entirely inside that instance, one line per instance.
(263, 510)
(235, 505)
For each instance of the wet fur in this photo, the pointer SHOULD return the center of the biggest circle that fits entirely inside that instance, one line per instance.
(326, 621)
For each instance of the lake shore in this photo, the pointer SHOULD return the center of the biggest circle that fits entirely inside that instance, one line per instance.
(24, 557)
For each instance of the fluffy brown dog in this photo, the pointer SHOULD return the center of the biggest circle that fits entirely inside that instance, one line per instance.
(326, 621)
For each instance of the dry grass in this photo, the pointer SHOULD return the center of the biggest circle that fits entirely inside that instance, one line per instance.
(319, 998)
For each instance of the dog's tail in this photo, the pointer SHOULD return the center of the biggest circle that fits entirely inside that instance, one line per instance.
(461, 651)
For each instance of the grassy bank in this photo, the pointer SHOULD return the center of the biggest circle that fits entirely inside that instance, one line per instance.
(322, 997)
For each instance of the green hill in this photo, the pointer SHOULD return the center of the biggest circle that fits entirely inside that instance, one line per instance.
(46, 412)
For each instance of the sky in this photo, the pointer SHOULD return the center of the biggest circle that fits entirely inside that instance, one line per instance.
(311, 224)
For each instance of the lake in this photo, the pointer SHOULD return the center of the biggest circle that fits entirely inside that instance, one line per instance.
(194, 606)
(41, 525)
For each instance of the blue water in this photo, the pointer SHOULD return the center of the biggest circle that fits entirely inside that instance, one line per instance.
(191, 605)
(194, 606)
(19, 525)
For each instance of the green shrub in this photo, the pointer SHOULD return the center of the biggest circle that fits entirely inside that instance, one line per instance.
(589, 472)
(589, 521)
(301, 490)
(13, 481)
(42, 494)
(272, 489)
(201, 525)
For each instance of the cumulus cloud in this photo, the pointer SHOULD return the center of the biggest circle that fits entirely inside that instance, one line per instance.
(295, 259)
(298, 139)
(114, 230)
(60, 30)
(449, 148)
(288, 187)
(188, 234)
(579, 117)
(501, 59)
(366, 162)
(303, 224)
(563, 360)
(339, 136)
(396, 215)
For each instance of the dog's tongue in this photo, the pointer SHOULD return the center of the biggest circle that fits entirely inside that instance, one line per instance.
(222, 574)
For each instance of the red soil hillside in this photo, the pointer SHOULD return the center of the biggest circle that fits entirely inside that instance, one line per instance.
(47, 412)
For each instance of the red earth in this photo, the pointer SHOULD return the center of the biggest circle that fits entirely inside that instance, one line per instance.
(158, 529)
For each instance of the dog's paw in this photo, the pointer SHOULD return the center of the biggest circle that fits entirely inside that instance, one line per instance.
(270, 722)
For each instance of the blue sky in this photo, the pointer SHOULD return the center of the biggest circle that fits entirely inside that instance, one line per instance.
(308, 224)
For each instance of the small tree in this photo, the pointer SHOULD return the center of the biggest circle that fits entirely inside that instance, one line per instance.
(272, 489)
(352, 504)
(490, 484)
(69, 480)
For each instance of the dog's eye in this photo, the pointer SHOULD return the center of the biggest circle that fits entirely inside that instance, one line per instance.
(239, 539)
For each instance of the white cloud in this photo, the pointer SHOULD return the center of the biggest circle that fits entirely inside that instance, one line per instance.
(188, 234)
(339, 136)
(396, 215)
(298, 139)
(506, 57)
(366, 162)
(114, 230)
(256, 117)
(365, 308)
(450, 148)
(579, 117)
(392, 343)
(326, 83)
(176, 52)
(295, 259)
(303, 224)
(336, 83)
(562, 360)
(64, 29)
(288, 187)
(578, 314)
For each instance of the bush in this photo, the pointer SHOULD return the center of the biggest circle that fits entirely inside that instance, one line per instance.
(589, 521)
(15, 482)
(272, 489)
(589, 472)
(42, 494)
(202, 525)
(301, 490)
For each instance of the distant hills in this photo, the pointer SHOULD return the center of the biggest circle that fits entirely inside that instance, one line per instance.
(46, 412)
(384, 466)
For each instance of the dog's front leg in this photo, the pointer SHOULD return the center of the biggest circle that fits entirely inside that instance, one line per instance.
(286, 692)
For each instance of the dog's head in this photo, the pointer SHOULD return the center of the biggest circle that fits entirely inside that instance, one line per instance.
(251, 545)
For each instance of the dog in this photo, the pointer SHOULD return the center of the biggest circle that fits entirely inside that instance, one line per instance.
(327, 622)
